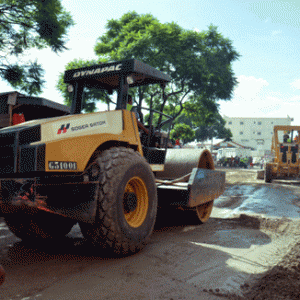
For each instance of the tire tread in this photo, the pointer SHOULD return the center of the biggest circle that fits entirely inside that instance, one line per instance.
(109, 233)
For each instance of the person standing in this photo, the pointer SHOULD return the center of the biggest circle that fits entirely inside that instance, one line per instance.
(250, 161)
(286, 138)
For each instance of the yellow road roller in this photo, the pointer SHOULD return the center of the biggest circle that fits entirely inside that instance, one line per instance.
(106, 171)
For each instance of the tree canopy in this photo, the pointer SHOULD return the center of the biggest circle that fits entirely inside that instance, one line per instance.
(204, 117)
(29, 24)
(183, 132)
(199, 63)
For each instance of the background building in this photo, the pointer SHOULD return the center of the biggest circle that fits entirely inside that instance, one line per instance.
(254, 132)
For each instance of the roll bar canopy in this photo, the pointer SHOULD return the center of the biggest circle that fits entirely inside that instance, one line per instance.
(118, 76)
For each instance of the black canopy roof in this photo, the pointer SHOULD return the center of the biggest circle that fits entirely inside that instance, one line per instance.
(32, 107)
(107, 75)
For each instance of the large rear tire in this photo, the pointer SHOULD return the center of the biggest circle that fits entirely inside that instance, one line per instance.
(127, 202)
(268, 174)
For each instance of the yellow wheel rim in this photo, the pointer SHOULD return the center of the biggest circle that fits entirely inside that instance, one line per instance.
(136, 216)
(204, 211)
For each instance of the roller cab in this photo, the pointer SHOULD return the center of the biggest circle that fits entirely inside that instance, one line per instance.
(108, 170)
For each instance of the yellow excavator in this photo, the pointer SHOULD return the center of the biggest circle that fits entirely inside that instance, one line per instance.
(101, 170)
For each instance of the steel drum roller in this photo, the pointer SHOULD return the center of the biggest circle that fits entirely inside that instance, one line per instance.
(180, 162)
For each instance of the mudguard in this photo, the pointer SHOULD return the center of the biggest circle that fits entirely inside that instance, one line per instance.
(204, 185)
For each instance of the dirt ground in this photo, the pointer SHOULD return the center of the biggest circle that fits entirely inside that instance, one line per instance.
(283, 280)
(249, 249)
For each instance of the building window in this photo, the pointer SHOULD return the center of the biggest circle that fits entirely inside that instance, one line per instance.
(254, 122)
(241, 123)
(253, 132)
(260, 142)
(258, 123)
(271, 122)
(259, 133)
(244, 140)
(229, 123)
(241, 132)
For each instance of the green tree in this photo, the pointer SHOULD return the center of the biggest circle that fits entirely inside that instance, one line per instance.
(204, 117)
(218, 130)
(183, 132)
(29, 24)
(199, 63)
(91, 95)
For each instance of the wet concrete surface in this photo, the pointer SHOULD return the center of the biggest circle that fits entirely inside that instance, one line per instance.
(273, 200)
(253, 225)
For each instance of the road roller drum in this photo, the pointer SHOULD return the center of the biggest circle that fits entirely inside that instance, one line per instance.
(189, 179)
(180, 162)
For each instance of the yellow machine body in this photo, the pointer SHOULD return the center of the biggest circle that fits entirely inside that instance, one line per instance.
(103, 168)
(84, 134)
(286, 163)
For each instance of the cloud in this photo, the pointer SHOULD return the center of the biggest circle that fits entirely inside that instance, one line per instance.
(295, 99)
(266, 104)
(249, 87)
(196, 29)
(283, 110)
(252, 99)
(276, 32)
(296, 84)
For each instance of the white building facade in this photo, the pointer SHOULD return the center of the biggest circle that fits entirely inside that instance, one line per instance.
(254, 132)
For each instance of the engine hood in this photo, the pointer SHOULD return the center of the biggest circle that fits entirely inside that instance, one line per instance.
(69, 126)
(29, 124)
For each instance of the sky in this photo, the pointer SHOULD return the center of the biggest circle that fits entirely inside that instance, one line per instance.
(266, 33)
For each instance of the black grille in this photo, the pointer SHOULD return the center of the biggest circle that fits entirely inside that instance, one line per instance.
(7, 152)
(10, 141)
(27, 159)
(30, 135)
(32, 158)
